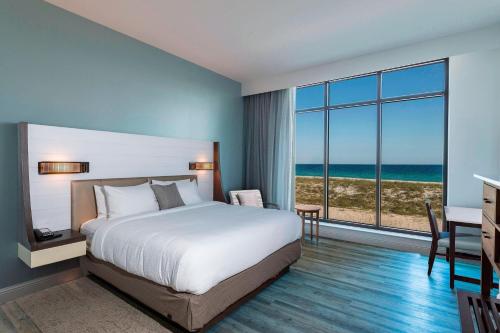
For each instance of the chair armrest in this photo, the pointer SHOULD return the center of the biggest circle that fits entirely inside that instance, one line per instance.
(271, 205)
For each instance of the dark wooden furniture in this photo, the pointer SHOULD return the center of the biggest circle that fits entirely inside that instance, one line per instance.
(218, 192)
(313, 212)
(490, 253)
(435, 237)
(479, 312)
(68, 237)
(462, 217)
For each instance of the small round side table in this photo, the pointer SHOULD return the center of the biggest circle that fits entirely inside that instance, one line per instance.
(313, 211)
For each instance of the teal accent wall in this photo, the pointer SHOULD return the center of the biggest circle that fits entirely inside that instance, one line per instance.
(59, 69)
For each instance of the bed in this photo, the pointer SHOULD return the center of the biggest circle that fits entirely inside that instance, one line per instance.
(192, 264)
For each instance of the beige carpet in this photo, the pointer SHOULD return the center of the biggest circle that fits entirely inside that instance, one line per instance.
(77, 306)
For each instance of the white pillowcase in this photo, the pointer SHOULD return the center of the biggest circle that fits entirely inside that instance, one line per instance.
(100, 200)
(189, 192)
(129, 200)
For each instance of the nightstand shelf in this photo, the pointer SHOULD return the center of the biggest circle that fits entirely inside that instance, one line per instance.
(71, 244)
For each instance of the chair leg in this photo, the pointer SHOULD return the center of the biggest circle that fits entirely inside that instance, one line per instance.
(432, 256)
(311, 221)
(447, 254)
(317, 226)
(303, 218)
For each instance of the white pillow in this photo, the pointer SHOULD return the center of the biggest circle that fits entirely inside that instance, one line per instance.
(100, 200)
(168, 182)
(249, 199)
(189, 192)
(128, 200)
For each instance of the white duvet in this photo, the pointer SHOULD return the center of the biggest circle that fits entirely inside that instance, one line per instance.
(193, 248)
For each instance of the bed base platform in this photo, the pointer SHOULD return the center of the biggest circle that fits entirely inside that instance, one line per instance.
(196, 313)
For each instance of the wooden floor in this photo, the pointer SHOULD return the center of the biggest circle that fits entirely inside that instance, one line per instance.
(345, 287)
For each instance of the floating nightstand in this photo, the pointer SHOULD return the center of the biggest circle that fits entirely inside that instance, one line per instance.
(71, 244)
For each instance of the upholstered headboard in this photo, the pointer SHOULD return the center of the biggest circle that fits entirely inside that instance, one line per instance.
(83, 205)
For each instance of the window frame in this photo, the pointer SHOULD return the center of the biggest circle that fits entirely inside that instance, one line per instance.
(379, 102)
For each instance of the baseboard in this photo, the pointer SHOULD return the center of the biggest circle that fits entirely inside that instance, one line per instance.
(29, 287)
(386, 239)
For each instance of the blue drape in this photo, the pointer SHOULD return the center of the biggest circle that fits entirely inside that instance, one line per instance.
(270, 146)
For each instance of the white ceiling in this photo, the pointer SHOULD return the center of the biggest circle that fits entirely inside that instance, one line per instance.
(248, 40)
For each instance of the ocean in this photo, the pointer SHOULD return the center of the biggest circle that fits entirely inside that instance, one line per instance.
(411, 172)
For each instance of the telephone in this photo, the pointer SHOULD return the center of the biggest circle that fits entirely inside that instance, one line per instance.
(44, 234)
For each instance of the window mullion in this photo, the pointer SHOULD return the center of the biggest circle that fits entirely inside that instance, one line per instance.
(326, 152)
(378, 169)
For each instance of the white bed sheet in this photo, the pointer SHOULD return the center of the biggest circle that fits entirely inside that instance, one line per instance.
(89, 228)
(193, 248)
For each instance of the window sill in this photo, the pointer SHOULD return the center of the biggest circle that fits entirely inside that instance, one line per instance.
(395, 233)
(381, 238)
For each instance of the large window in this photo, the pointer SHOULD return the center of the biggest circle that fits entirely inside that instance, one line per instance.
(309, 132)
(371, 149)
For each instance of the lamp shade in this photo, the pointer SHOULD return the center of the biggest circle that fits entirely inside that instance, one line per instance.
(201, 166)
(51, 167)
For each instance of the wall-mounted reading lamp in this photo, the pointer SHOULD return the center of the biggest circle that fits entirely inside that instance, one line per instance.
(201, 165)
(52, 168)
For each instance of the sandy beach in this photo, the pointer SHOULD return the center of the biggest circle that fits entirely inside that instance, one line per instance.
(353, 199)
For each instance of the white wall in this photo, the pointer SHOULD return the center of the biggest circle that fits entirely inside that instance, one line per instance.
(483, 39)
(474, 125)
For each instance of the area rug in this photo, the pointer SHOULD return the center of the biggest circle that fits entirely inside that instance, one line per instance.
(81, 305)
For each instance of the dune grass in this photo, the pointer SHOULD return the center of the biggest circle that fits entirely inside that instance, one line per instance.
(398, 197)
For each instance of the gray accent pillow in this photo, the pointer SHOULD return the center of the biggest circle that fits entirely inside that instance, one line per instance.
(167, 196)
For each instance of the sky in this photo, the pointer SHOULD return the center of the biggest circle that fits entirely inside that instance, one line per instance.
(412, 131)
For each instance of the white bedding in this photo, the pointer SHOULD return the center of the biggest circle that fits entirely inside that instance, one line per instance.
(193, 248)
(90, 227)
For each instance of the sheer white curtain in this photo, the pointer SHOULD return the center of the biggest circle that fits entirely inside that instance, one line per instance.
(270, 145)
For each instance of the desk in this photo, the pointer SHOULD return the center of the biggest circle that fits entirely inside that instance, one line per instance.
(461, 217)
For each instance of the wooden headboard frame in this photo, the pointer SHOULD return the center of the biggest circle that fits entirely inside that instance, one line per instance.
(83, 205)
